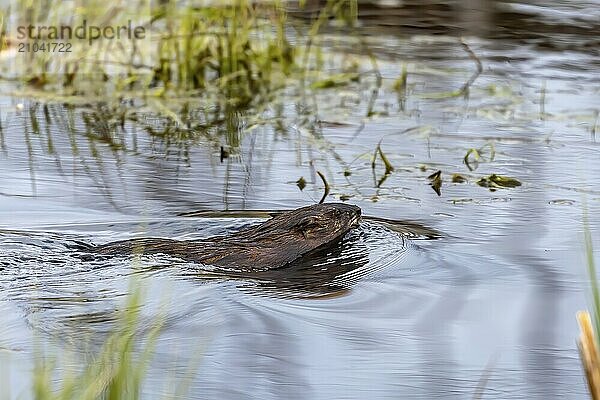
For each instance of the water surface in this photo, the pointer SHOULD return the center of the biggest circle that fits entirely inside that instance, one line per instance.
(395, 313)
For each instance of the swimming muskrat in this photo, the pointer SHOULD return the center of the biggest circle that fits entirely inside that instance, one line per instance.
(272, 244)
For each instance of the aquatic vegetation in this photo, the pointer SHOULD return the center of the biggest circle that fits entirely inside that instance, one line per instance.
(238, 50)
(399, 85)
(301, 183)
(464, 89)
(116, 372)
(588, 352)
(234, 49)
(207, 74)
(212, 74)
(389, 168)
(589, 339)
(495, 181)
(458, 178)
(436, 182)
(337, 80)
(325, 186)
(594, 127)
(485, 153)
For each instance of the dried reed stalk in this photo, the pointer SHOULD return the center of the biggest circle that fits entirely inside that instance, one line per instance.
(588, 352)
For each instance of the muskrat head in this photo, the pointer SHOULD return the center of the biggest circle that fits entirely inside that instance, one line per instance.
(309, 227)
(324, 222)
(290, 235)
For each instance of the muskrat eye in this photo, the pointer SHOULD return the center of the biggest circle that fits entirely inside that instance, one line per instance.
(307, 224)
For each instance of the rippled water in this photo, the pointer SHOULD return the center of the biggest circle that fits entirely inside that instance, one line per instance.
(424, 300)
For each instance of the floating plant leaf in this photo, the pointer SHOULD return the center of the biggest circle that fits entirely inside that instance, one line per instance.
(474, 156)
(504, 181)
(337, 80)
(435, 175)
(436, 182)
(301, 183)
(458, 178)
(495, 181)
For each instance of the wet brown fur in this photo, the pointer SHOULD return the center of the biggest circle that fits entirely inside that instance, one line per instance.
(272, 244)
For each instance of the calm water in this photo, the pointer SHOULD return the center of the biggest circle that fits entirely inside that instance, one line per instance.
(392, 314)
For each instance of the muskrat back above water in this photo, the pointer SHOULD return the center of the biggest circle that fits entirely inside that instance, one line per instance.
(272, 244)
